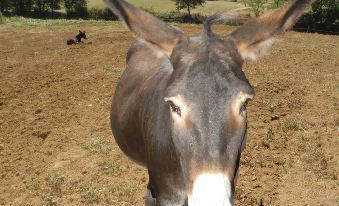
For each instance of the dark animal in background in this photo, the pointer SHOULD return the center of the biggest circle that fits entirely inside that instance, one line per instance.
(180, 106)
(77, 39)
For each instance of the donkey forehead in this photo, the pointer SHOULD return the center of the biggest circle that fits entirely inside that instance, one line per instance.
(199, 46)
(209, 66)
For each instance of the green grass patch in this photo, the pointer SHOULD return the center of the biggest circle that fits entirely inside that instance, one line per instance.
(49, 199)
(89, 194)
(269, 133)
(35, 184)
(97, 145)
(272, 105)
(124, 189)
(112, 167)
(290, 125)
(57, 179)
(55, 183)
(111, 68)
(2, 18)
(29, 22)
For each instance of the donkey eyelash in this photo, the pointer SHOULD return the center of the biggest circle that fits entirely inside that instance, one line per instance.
(174, 108)
(242, 110)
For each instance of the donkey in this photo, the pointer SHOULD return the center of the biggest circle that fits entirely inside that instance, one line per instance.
(180, 106)
(77, 39)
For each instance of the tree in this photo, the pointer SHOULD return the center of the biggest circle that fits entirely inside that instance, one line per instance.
(41, 6)
(256, 6)
(278, 3)
(5, 5)
(326, 11)
(189, 4)
(2, 18)
(323, 18)
(22, 7)
(76, 8)
(244, 2)
(53, 4)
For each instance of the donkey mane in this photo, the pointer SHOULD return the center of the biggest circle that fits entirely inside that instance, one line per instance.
(220, 17)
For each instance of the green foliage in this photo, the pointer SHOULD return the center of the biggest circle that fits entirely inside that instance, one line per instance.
(188, 4)
(323, 18)
(22, 7)
(54, 4)
(97, 145)
(256, 6)
(57, 180)
(35, 184)
(47, 5)
(76, 8)
(5, 5)
(290, 125)
(89, 194)
(101, 13)
(49, 199)
(26, 7)
(277, 3)
(269, 132)
(55, 183)
(326, 11)
(2, 21)
(43, 8)
(176, 16)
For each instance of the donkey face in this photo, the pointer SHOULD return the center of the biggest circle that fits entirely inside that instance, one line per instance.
(207, 98)
(82, 34)
(207, 92)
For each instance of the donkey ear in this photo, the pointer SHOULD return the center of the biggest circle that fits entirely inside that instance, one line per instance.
(255, 37)
(146, 26)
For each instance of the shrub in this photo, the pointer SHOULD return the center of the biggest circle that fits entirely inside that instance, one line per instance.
(176, 16)
(256, 6)
(2, 18)
(101, 13)
(277, 3)
(323, 18)
(76, 8)
(188, 4)
(291, 125)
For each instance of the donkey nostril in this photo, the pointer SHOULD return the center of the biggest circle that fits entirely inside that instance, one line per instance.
(242, 111)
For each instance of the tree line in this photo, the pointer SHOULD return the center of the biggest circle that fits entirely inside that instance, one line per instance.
(324, 15)
(322, 18)
(44, 8)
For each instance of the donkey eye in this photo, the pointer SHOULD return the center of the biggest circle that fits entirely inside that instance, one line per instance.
(174, 108)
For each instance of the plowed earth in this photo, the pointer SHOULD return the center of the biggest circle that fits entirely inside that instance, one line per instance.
(56, 146)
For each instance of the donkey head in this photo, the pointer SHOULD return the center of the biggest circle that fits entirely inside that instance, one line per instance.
(82, 34)
(208, 92)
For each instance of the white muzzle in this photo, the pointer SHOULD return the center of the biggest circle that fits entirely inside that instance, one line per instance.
(210, 190)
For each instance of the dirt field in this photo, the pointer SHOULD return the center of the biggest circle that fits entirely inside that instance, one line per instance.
(56, 147)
